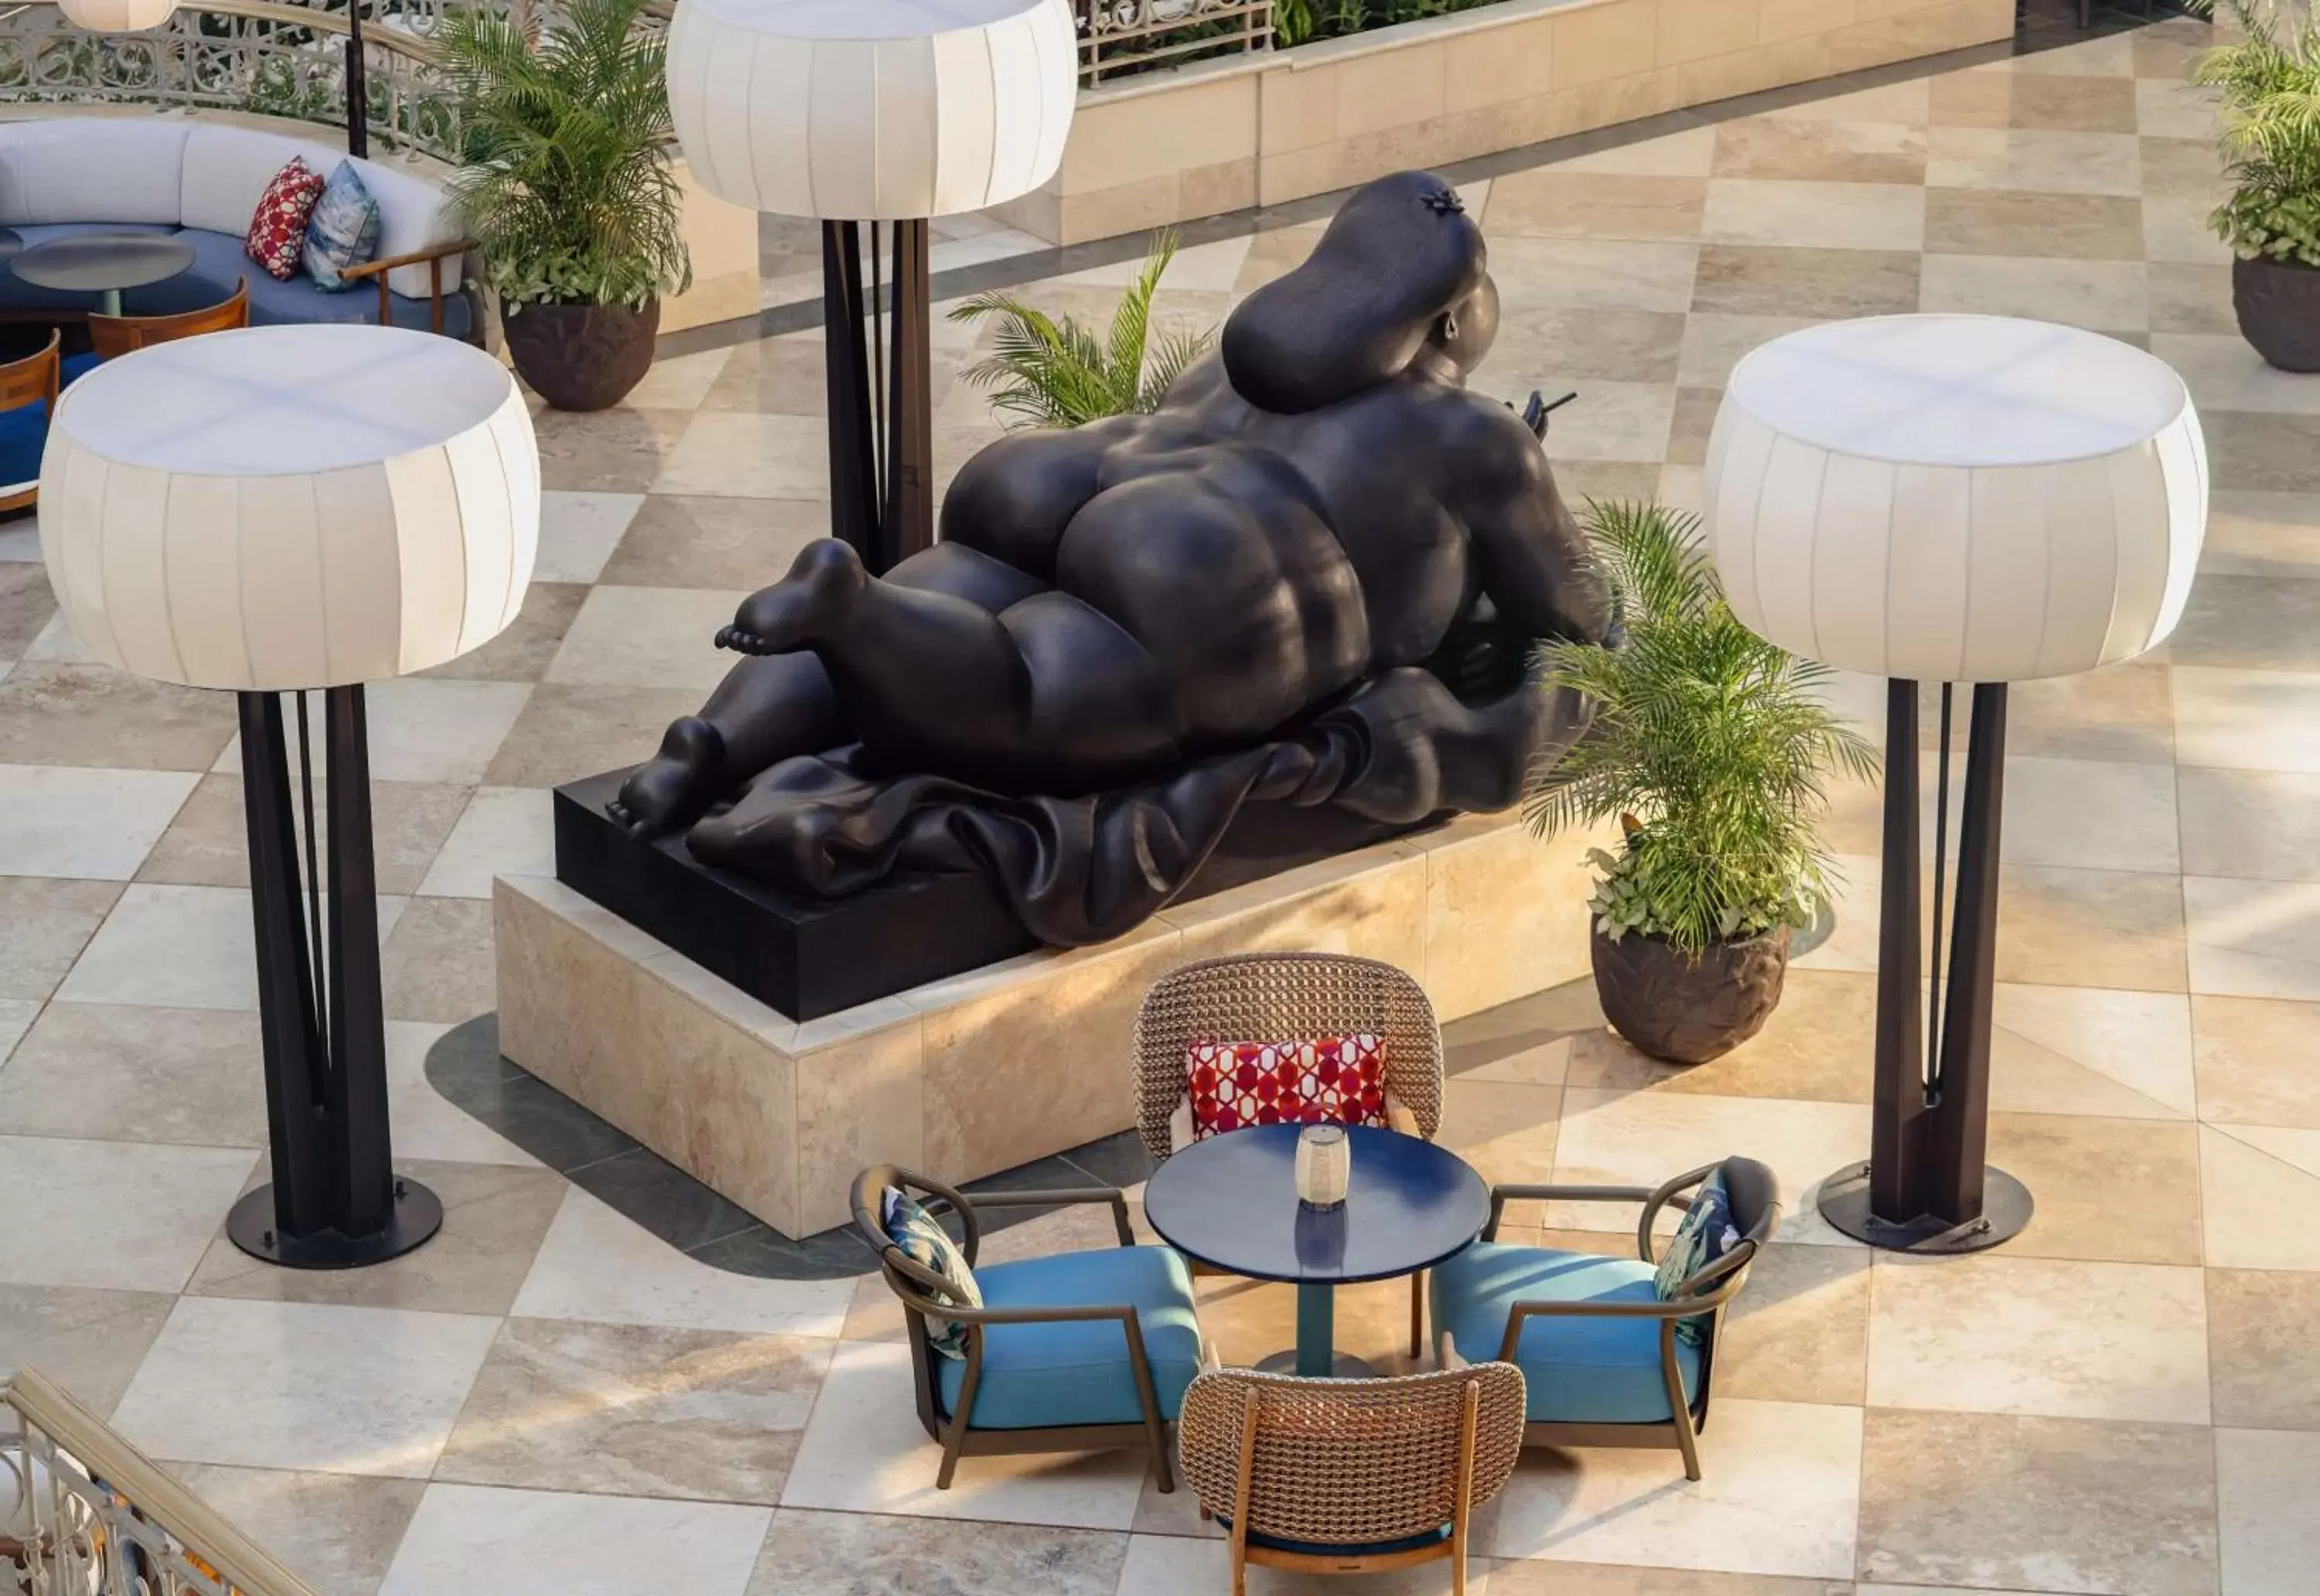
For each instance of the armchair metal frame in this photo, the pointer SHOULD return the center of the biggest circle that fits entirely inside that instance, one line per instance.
(432, 258)
(1706, 1291)
(1268, 997)
(920, 1288)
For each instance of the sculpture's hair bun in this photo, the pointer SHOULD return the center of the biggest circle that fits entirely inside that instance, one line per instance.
(1397, 254)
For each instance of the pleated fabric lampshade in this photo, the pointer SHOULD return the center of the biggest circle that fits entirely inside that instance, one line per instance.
(1956, 498)
(117, 16)
(290, 507)
(872, 110)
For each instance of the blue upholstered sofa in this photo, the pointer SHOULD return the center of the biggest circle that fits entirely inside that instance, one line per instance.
(153, 173)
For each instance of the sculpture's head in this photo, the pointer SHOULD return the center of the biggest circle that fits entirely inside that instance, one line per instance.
(1400, 279)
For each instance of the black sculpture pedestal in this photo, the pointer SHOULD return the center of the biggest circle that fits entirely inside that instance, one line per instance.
(335, 1202)
(1927, 1187)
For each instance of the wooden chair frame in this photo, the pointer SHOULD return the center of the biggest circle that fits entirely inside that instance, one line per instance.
(432, 259)
(1706, 1291)
(1258, 997)
(114, 336)
(37, 378)
(918, 1287)
(1385, 1481)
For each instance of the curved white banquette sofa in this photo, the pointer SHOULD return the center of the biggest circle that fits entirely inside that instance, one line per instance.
(202, 180)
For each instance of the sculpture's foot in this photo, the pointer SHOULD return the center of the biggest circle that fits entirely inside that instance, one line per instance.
(807, 603)
(676, 785)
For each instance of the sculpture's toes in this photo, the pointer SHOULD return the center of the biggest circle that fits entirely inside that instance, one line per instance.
(675, 785)
(805, 605)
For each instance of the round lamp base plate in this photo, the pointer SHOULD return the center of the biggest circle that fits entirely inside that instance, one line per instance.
(2005, 1208)
(414, 1219)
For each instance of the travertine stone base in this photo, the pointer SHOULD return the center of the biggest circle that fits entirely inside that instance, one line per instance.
(986, 1070)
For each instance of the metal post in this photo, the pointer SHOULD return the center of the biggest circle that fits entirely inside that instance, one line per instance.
(358, 86)
(1897, 1145)
(854, 507)
(907, 522)
(335, 1202)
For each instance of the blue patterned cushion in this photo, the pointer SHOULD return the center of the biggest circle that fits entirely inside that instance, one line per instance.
(1706, 1235)
(924, 1241)
(343, 230)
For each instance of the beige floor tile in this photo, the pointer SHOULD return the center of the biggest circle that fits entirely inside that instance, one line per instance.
(2264, 1486)
(1814, 215)
(2294, 1145)
(611, 451)
(577, 530)
(1600, 342)
(2191, 297)
(567, 732)
(2259, 1347)
(2120, 712)
(2258, 1061)
(522, 651)
(1688, 428)
(1555, 203)
(2250, 622)
(208, 842)
(1905, 102)
(120, 1072)
(1505, 1129)
(2002, 1333)
(1781, 1496)
(2090, 927)
(1168, 1566)
(679, 382)
(2066, 226)
(2170, 108)
(2242, 1193)
(2089, 814)
(771, 377)
(745, 455)
(1817, 1046)
(94, 715)
(2247, 720)
(2175, 228)
(1992, 1502)
(2251, 823)
(437, 962)
(336, 1532)
(1690, 153)
(2111, 56)
(2252, 938)
(551, 1543)
(1822, 151)
(2260, 534)
(2032, 101)
(2246, 450)
(1535, 274)
(811, 1553)
(44, 924)
(2112, 1191)
(1644, 1137)
(1529, 1040)
(2087, 1051)
(2224, 372)
(2038, 160)
(1756, 279)
(1798, 1330)
(89, 1340)
(648, 637)
(2183, 166)
(1713, 344)
(427, 731)
(2106, 295)
(1248, 1320)
(1609, 421)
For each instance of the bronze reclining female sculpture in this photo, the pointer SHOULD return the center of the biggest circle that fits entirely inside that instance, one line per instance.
(1131, 628)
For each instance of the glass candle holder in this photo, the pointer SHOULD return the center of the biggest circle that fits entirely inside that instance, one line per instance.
(1325, 1161)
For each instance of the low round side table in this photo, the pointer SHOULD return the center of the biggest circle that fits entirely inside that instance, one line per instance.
(102, 263)
(1230, 1202)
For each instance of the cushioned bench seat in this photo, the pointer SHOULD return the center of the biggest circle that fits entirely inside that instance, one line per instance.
(202, 180)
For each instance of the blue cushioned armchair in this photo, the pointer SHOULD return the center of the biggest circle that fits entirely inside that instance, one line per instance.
(1602, 1359)
(1079, 1352)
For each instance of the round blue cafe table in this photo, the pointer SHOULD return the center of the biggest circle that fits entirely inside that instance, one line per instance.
(1230, 1202)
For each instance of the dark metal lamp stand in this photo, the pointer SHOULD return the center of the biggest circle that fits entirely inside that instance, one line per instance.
(1927, 1186)
(335, 1202)
(881, 406)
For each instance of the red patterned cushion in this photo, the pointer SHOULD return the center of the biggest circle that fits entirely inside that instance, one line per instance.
(277, 228)
(1328, 1080)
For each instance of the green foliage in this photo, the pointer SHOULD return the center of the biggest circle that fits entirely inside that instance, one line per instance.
(1049, 372)
(1299, 21)
(2271, 135)
(566, 184)
(1709, 745)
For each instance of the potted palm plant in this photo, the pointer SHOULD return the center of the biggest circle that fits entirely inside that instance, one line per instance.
(1046, 371)
(1709, 747)
(2271, 139)
(567, 189)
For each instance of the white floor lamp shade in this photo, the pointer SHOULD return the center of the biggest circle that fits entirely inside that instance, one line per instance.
(291, 507)
(117, 16)
(872, 110)
(1956, 498)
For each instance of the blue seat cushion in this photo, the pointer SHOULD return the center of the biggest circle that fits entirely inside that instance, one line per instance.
(23, 433)
(220, 259)
(1579, 1370)
(1042, 1376)
(74, 366)
(1375, 1548)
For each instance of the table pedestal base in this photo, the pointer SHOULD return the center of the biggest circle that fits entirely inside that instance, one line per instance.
(1315, 1356)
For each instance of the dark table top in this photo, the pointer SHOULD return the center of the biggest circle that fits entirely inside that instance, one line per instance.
(97, 262)
(1232, 1201)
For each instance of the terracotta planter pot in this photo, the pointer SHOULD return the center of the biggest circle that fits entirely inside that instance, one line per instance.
(581, 356)
(1685, 1011)
(2277, 303)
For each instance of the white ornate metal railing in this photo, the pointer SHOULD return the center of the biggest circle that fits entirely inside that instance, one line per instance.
(84, 1513)
(274, 57)
(1123, 36)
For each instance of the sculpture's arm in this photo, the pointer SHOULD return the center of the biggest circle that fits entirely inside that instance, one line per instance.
(1529, 550)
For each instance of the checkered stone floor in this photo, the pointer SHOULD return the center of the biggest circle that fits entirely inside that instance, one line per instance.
(556, 1397)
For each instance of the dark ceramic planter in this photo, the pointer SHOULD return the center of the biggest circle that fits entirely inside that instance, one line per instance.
(2279, 307)
(1687, 1010)
(581, 356)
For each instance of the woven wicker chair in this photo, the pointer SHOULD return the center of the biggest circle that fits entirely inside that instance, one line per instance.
(1350, 1476)
(1262, 997)
(1030, 1306)
(1594, 1339)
